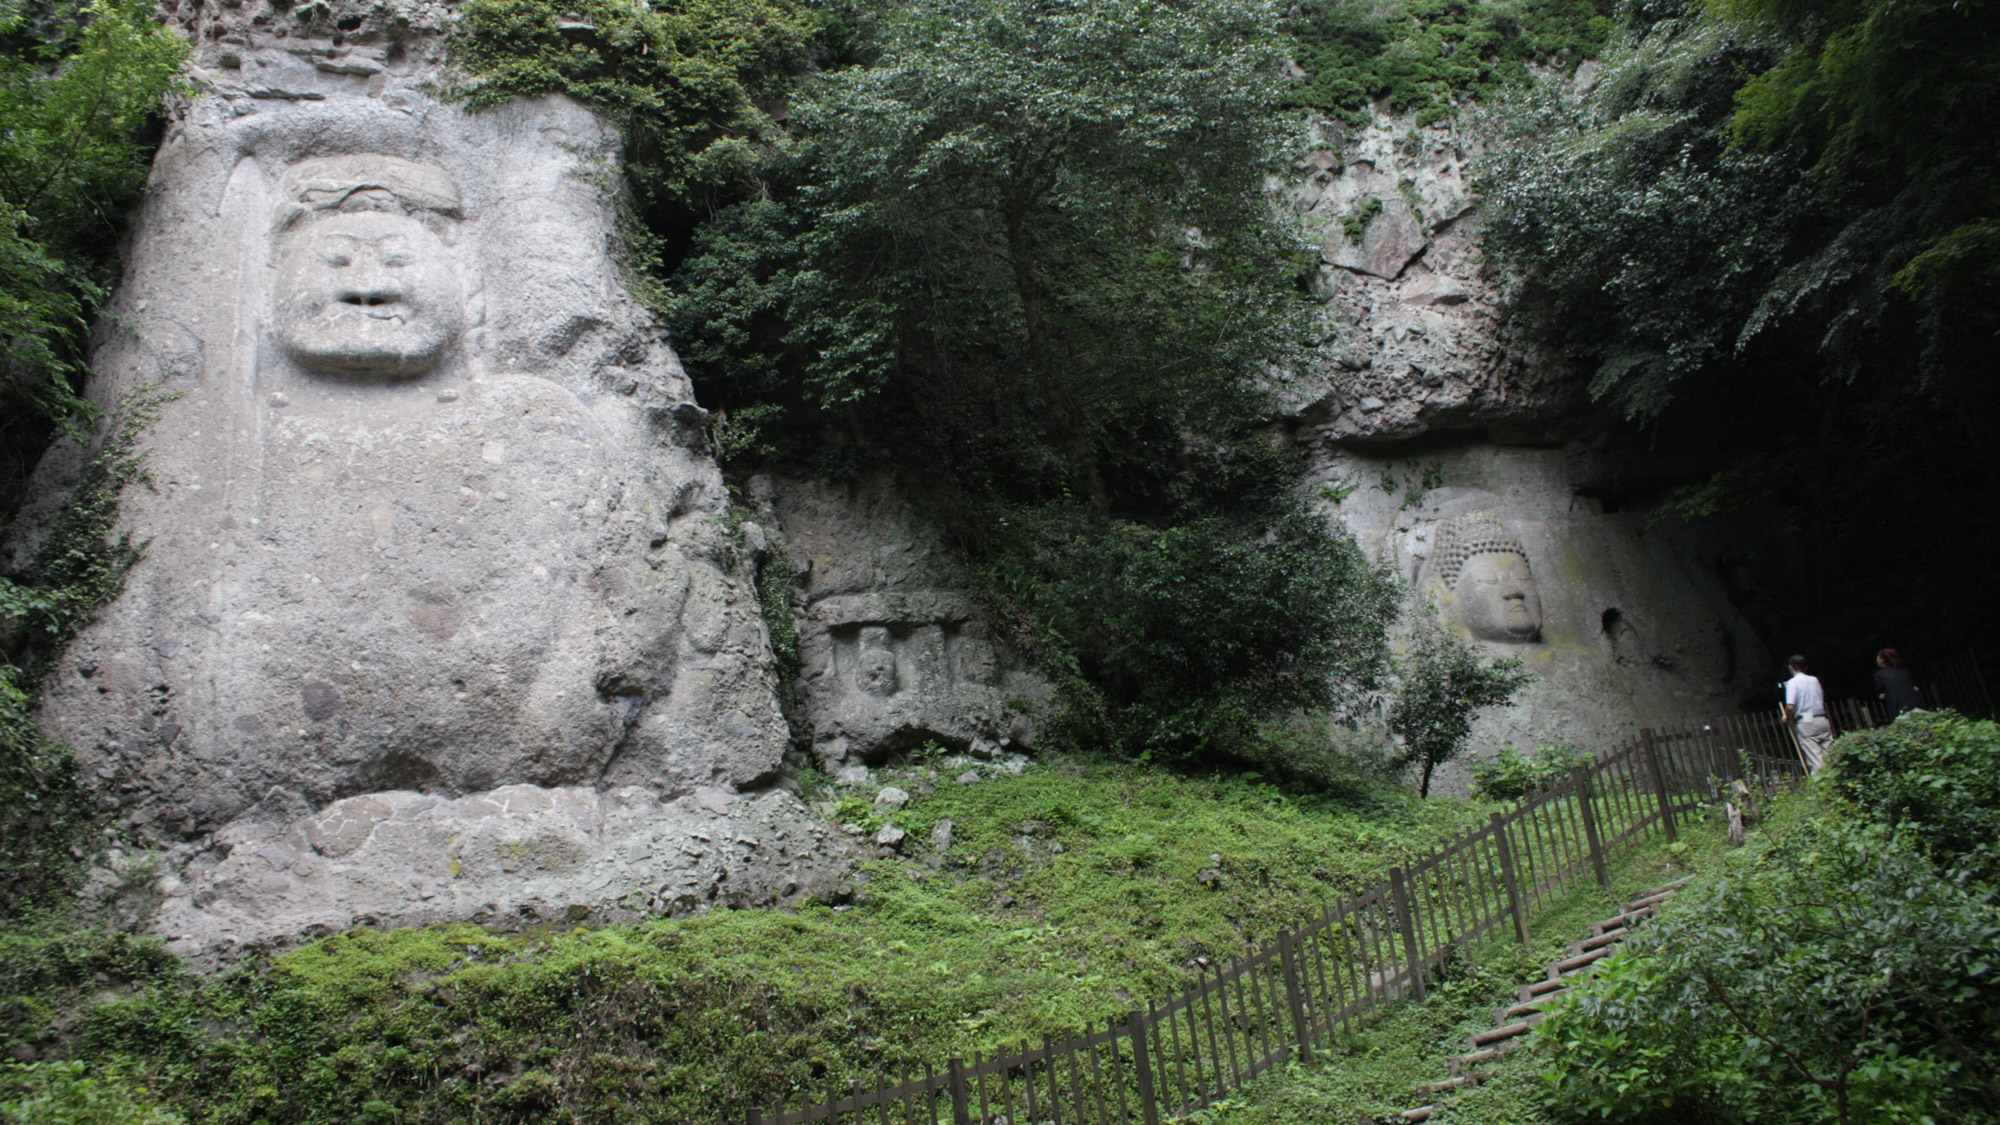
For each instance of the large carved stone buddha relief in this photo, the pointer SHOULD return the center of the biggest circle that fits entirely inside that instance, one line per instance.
(1478, 575)
(367, 280)
(428, 525)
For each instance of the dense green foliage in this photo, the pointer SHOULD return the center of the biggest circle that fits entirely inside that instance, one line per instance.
(1441, 683)
(1840, 969)
(1894, 90)
(1753, 177)
(68, 1093)
(692, 86)
(81, 88)
(1932, 779)
(1764, 238)
(1067, 890)
(1427, 55)
(1191, 638)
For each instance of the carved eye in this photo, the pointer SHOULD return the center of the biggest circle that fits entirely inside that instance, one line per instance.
(336, 259)
(400, 259)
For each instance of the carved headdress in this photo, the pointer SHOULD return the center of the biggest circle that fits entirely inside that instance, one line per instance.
(366, 182)
(1460, 538)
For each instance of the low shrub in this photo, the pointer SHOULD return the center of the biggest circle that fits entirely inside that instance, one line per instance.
(1511, 775)
(1932, 775)
(1840, 968)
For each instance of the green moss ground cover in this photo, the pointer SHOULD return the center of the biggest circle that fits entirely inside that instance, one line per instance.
(1068, 891)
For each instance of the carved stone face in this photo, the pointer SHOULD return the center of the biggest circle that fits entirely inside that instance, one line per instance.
(1497, 599)
(369, 293)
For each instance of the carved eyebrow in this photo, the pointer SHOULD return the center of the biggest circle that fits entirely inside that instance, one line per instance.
(358, 239)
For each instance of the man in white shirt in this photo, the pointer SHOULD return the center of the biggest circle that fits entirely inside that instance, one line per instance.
(1805, 712)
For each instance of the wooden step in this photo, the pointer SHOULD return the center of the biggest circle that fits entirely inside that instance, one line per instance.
(1600, 941)
(1483, 1038)
(1622, 921)
(1517, 1011)
(1460, 1062)
(1421, 1113)
(1457, 1082)
(1580, 961)
(1541, 988)
(1654, 899)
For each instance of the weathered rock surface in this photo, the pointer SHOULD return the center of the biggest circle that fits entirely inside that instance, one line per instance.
(428, 515)
(1455, 452)
(1414, 339)
(1630, 625)
(519, 855)
(890, 655)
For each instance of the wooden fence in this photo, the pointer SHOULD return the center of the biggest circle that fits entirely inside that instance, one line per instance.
(1310, 983)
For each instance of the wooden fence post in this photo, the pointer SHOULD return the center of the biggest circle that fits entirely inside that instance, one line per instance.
(1295, 996)
(961, 1100)
(1149, 1106)
(1400, 894)
(1590, 827)
(1659, 782)
(1513, 882)
(756, 1115)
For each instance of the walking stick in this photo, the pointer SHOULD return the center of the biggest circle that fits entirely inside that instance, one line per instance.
(1798, 742)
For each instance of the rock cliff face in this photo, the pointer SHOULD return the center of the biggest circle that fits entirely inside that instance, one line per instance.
(1414, 336)
(439, 614)
(1432, 427)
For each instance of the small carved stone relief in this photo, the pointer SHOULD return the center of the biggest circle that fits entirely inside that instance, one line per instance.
(875, 662)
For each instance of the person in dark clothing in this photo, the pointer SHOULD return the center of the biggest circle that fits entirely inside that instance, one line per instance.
(1894, 685)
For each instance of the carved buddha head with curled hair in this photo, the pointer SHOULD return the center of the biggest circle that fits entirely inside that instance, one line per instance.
(367, 282)
(1480, 570)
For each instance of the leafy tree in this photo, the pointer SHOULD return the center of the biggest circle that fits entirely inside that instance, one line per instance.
(1425, 55)
(81, 89)
(1035, 231)
(1186, 639)
(1023, 258)
(1441, 682)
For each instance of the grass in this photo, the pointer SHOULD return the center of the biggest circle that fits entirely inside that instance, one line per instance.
(1373, 1073)
(1067, 891)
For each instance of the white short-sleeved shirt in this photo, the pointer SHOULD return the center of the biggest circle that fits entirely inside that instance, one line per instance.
(1804, 694)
